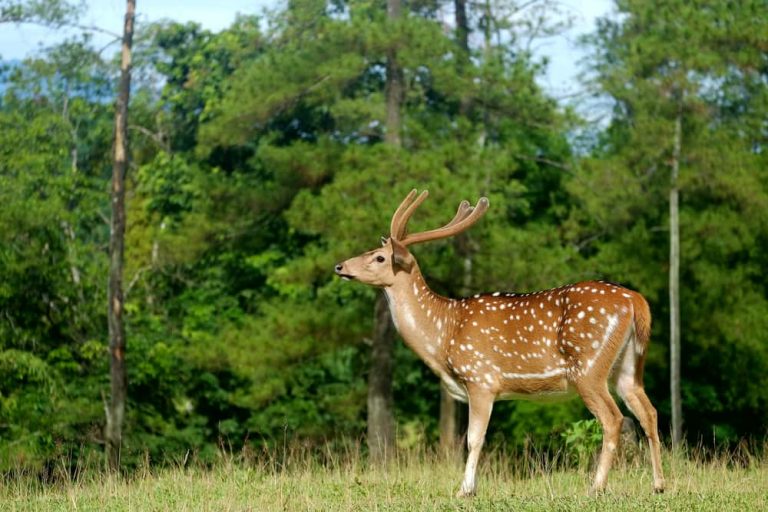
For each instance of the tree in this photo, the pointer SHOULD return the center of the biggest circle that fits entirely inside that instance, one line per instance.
(115, 411)
(381, 419)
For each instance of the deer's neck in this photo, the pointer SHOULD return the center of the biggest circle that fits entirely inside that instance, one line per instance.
(424, 319)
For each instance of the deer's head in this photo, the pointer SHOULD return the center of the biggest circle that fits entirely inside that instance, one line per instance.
(381, 266)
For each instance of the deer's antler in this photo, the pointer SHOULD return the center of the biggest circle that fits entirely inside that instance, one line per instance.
(465, 217)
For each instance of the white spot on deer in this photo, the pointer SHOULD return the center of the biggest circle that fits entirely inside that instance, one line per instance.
(431, 349)
(474, 323)
(595, 344)
(580, 314)
(626, 295)
(592, 320)
(496, 294)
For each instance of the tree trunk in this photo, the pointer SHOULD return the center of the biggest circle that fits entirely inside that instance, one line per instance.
(381, 417)
(394, 85)
(115, 409)
(462, 25)
(450, 423)
(453, 415)
(674, 289)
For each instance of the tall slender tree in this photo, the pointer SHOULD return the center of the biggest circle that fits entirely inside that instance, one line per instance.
(674, 283)
(115, 410)
(381, 417)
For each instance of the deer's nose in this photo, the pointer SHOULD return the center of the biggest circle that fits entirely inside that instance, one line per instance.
(339, 267)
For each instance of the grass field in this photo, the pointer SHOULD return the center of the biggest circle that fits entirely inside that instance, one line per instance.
(412, 482)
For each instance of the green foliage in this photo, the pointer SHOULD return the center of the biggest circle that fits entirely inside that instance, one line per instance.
(582, 440)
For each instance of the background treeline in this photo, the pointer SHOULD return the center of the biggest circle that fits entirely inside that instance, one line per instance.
(258, 161)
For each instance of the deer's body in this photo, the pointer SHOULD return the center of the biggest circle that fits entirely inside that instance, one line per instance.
(519, 345)
(572, 339)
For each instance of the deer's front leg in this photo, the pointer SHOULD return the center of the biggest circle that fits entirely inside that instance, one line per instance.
(480, 407)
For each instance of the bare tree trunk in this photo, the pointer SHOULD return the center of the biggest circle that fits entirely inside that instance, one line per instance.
(115, 409)
(381, 417)
(381, 403)
(450, 424)
(463, 60)
(462, 25)
(674, 288)
(394, 85)
(453, 416)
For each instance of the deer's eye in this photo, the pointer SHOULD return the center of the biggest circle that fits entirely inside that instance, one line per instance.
(380, 258)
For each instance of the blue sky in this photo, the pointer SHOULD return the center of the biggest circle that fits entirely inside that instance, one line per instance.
(17, 42)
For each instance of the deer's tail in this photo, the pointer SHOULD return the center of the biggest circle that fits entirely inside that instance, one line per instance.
(642, 322)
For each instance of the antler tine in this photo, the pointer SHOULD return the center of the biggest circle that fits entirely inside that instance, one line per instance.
(395, 224)
(403, 221)
(464, 210)
(452, 228)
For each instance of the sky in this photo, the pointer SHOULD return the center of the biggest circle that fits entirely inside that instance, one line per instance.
(17, 42)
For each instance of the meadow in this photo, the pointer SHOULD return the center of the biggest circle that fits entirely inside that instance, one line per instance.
(412, 481)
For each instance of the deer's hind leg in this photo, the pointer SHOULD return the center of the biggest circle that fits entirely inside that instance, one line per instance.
(629, 386)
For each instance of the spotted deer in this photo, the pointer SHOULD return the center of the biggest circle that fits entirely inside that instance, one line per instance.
(496, 346)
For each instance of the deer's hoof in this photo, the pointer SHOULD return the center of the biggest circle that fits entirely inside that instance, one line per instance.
(465, 493)
(596, 491)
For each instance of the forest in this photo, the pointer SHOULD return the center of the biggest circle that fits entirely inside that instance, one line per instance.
(263, 154)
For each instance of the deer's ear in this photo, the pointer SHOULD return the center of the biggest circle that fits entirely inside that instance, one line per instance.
(401, 258)
(384, 241)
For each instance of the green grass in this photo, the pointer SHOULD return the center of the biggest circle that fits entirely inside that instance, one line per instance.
(415, 481)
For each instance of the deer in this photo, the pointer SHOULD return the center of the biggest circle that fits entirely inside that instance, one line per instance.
(575, 339)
